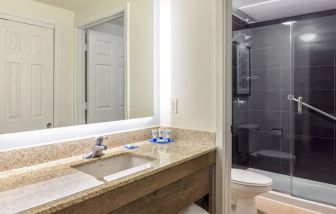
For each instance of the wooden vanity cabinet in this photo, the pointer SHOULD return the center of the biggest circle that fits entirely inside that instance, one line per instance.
(165, 192)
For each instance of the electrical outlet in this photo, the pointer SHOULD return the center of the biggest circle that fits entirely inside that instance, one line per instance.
(173, 106)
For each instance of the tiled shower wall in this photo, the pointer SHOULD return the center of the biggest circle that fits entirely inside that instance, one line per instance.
(306, 67)
(240, 117)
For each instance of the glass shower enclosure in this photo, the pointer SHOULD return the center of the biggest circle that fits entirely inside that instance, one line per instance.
(284, 103)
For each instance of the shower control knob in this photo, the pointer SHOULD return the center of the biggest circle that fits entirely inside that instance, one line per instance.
(239, 102)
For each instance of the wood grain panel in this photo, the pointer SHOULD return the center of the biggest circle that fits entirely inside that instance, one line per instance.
(124, 195)
(171, 198)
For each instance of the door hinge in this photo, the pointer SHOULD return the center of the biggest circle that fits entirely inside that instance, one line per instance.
(86, 106)
(86, 47)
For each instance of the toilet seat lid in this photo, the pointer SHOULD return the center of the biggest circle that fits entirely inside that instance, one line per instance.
(249, 178)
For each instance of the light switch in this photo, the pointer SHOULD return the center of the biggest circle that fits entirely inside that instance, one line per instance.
(173, 106)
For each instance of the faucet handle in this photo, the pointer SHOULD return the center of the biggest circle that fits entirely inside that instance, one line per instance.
(99, 140)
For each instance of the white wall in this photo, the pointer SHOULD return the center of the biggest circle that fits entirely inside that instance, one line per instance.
(63, 21)
(191, 76)
(141, 58)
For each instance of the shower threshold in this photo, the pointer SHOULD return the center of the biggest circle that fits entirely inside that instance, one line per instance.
(302, 188)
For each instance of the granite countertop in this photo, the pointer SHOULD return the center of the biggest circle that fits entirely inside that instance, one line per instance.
(52, 186)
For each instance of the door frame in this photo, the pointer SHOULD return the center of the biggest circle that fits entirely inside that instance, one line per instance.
(36, 21)
(223, 68)
(17, 17)
(80, 61)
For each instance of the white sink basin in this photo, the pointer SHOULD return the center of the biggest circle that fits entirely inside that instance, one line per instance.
(115, 167)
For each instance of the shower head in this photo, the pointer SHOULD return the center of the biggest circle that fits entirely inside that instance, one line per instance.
(240, 37)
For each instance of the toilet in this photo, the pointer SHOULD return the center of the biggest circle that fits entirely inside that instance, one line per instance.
(245, 186)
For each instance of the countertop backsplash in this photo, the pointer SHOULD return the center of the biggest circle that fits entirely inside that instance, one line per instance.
(23, 157)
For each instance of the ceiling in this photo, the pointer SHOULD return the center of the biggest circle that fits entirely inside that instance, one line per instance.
(263, 10)
(73, 5)
(77, 5)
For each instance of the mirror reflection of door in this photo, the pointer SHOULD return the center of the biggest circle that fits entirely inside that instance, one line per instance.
(106, 72)
(26, 76)
(66, 63)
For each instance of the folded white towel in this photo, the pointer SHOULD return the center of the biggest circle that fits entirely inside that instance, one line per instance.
(193, 209)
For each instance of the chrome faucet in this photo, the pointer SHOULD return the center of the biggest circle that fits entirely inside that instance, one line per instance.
(97, 148)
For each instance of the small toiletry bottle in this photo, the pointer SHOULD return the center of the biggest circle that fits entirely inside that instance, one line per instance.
(154, 134)
(160, 133)
(168, 135)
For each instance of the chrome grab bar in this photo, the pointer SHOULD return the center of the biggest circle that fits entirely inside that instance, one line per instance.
(301, 103)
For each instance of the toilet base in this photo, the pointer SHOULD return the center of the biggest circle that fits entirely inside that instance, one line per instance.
(246, 186)
(245, 206)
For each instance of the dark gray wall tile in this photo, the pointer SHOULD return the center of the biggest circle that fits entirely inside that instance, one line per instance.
(314, 125)
(265, 100)
(268, 58)
(314, 54)
(314, 78)
(266, 120)
(323, 28)
(314, 158)
(266, 37)
(266, 79)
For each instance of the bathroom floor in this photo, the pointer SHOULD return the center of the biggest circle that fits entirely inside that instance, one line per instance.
(267, 206)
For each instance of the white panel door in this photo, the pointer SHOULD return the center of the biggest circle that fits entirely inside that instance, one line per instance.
(26, 76)
(105, 85)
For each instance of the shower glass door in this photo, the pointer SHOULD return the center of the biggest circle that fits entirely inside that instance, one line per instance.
(275, 65)
(284, 98)
(313, 168)
(262, 115)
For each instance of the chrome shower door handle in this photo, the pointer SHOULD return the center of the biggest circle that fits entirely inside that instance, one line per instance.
(300, 105)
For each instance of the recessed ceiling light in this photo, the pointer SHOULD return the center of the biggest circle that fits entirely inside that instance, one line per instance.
(288, 23)
(307, 37)
(258, 4)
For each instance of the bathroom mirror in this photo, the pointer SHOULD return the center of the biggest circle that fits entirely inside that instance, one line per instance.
(71, 62)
